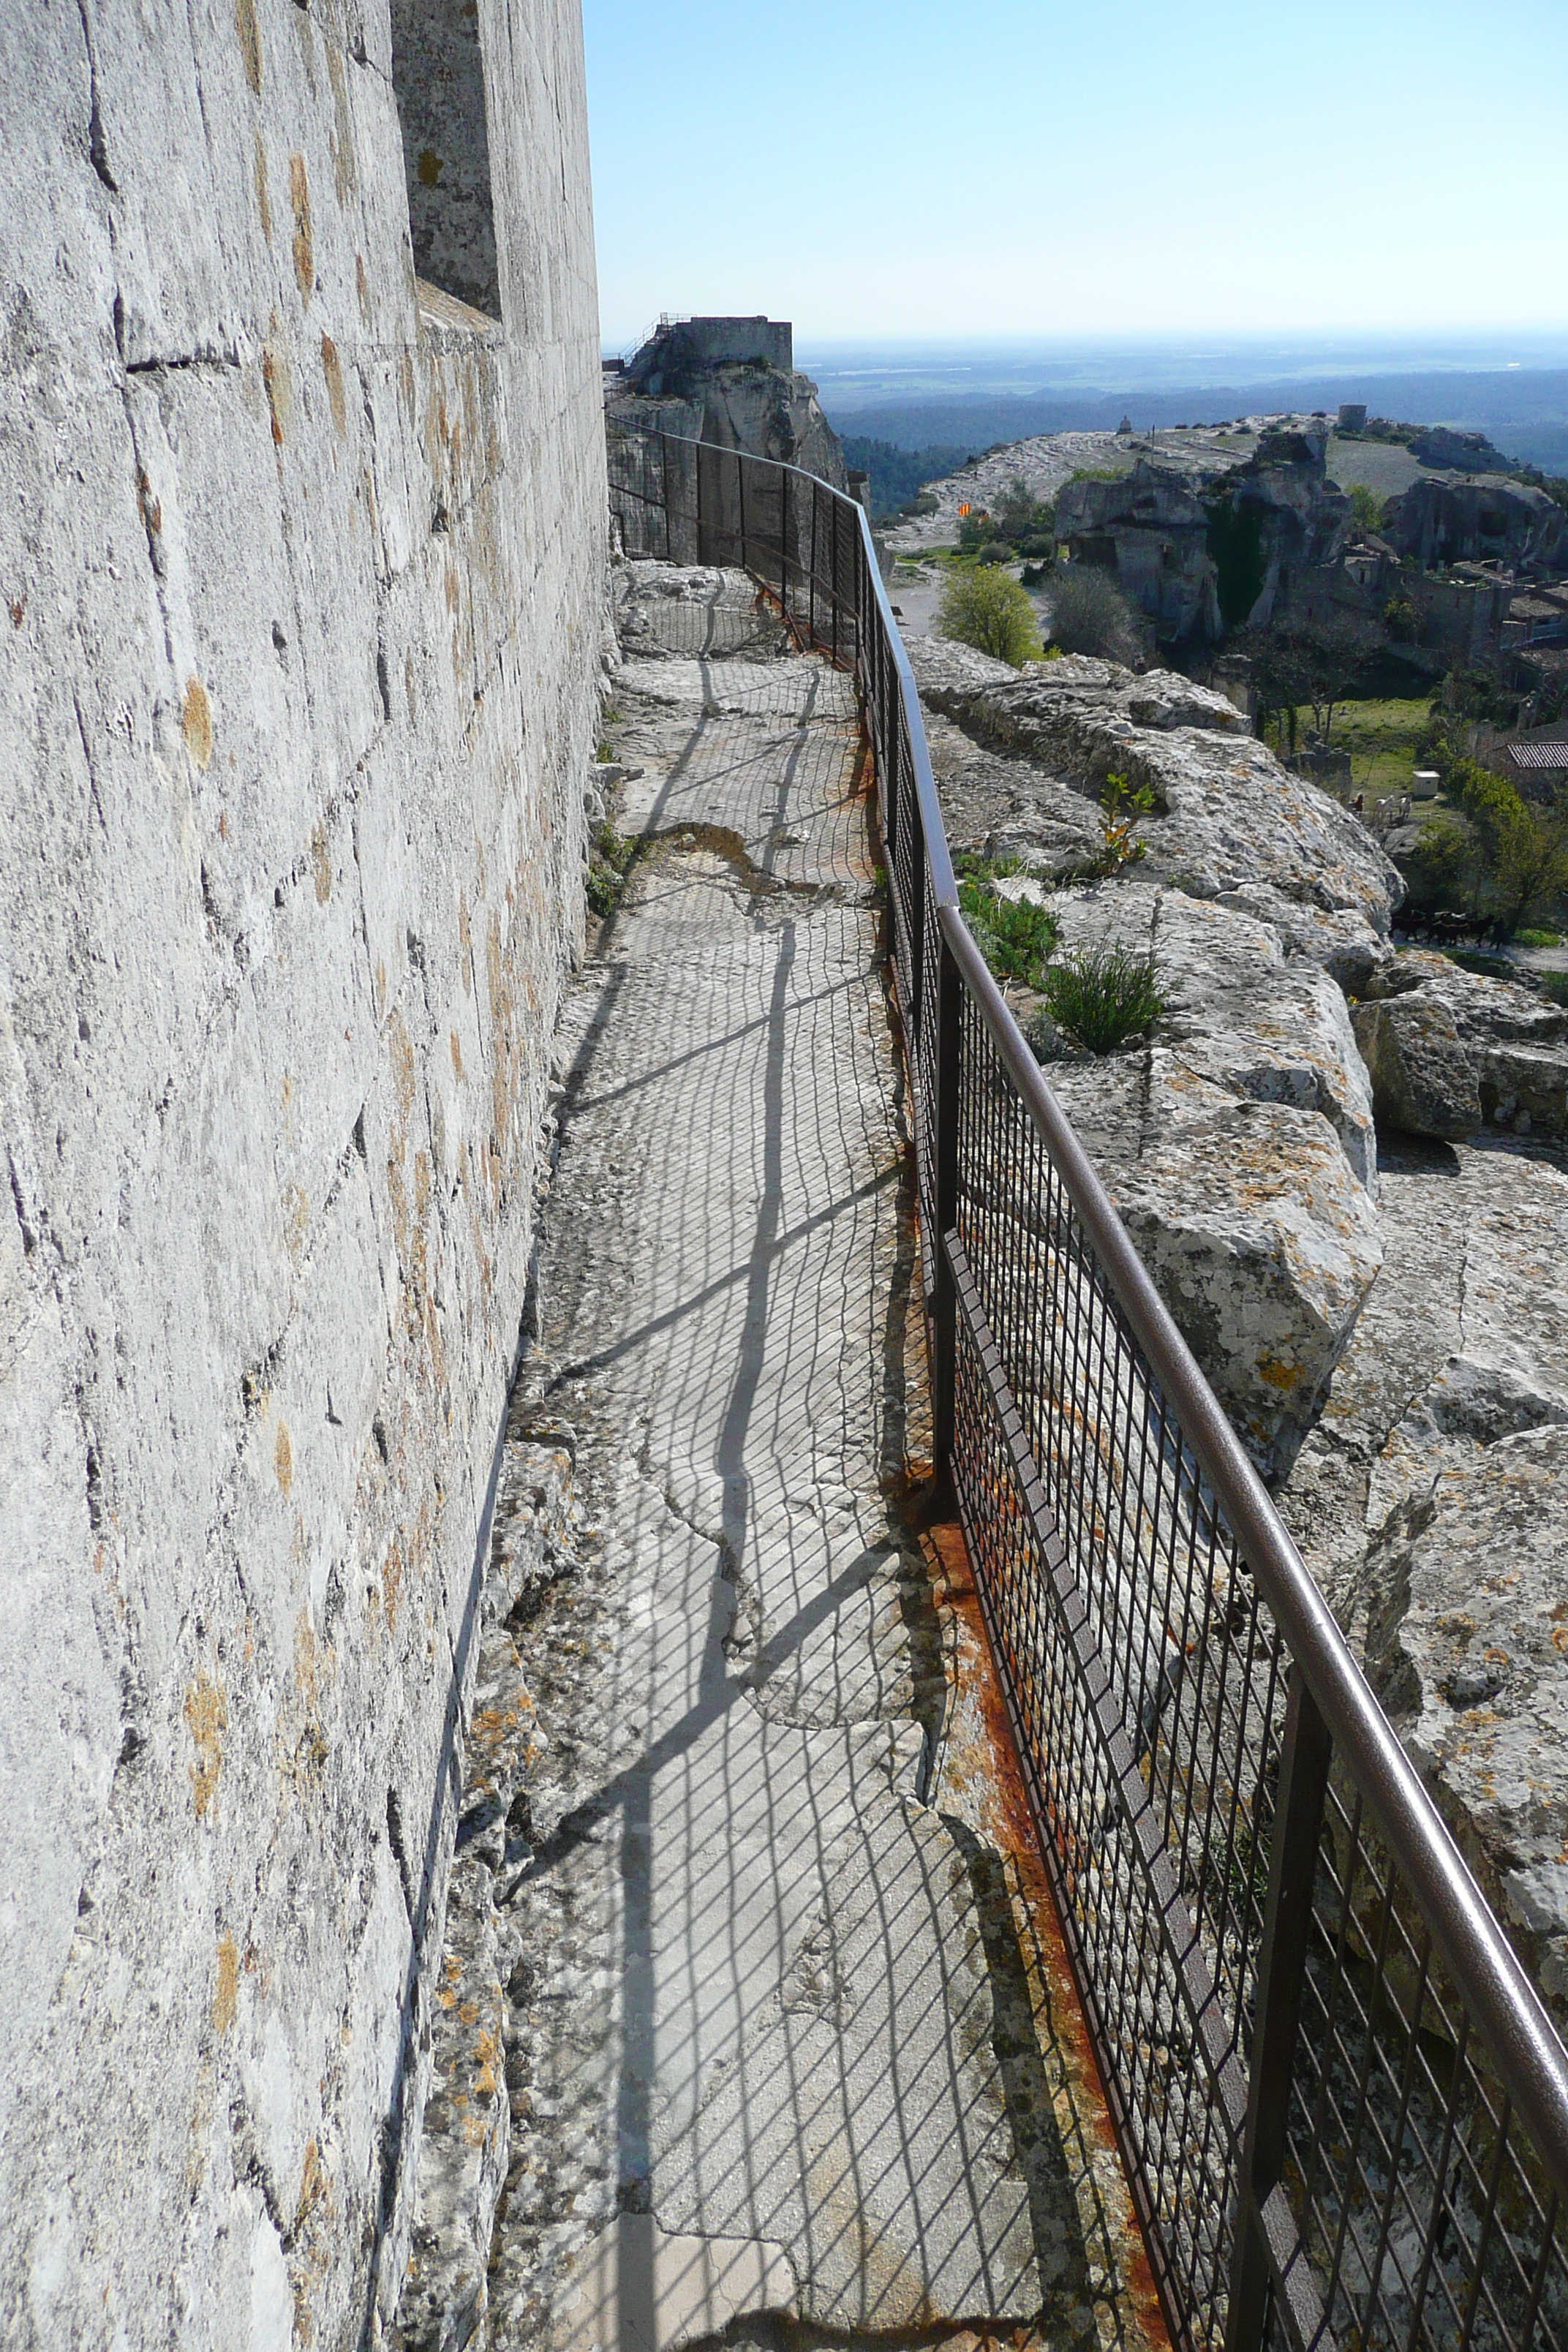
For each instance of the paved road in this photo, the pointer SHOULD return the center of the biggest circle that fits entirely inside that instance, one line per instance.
(779, 2040)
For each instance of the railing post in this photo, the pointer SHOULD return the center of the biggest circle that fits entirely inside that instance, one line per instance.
(833, 572)
(1281, 1971)
(696, 468)
(816, 497)
(948, 1011)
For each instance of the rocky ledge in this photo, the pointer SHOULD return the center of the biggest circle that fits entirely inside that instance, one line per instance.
(1343, 1164)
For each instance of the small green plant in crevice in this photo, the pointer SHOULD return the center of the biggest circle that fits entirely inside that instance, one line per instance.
(610, 857)
(1101, 996)
(1121, 805)
(1014, 935)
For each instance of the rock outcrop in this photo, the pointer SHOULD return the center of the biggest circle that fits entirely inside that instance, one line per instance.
(1447, 1048)
(1227, 818)
(1201, 548)
(1385, 1321)
(1467, 517)
(730, 383)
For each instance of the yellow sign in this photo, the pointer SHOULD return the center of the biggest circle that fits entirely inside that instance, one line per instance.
(964, 509)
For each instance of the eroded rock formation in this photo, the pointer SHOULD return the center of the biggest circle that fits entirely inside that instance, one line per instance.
(1382, 1313)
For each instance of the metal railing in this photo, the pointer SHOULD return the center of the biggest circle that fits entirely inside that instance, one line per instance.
(1342, 2108)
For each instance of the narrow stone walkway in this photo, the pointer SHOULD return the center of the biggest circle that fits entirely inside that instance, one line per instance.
(781, 2041)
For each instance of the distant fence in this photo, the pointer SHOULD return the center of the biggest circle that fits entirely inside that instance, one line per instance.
(1342, 2108)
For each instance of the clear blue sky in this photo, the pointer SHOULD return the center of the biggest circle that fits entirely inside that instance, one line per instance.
(1031, 168)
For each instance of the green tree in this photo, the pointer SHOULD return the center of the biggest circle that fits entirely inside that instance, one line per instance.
(1526, 847)
(989, 611)
(1367, 507)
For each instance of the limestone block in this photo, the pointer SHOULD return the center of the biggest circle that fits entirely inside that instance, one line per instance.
(1227, 815)
(1467, 1645)
(1422, 1077)
(1525, 1088)
(1236, 1011)
(1258, 1236)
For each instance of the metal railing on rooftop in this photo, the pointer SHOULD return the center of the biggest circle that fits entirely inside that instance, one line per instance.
(1342, 2106)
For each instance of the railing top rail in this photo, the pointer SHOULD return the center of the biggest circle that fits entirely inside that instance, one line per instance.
(1532, 2062)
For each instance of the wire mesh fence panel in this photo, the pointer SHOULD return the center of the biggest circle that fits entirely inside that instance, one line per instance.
(1343, 2113)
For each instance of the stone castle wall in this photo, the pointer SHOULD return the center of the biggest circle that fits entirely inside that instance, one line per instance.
(301, 580)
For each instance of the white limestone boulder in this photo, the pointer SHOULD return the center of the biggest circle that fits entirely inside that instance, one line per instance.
(1468, 1645)
(1447, 1047)
(1422, 1077)
(1256, 1232)
(1237, 1011)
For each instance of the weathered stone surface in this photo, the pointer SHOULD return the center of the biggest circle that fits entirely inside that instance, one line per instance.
(1453, 1044)
(1008, 809)
(1228, 816)
(1485, 1010)
(1236, 1009)
(1342, 939)
(297, 697)
(1262, 1242)
(1423, 1078)
(1468, 1643)
(755, 2057)
(465, 2139)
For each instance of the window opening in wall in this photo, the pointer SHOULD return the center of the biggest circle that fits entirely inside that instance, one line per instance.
(438, 76)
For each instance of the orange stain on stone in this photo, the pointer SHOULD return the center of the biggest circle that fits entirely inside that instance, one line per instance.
(249, 42)
(206, 1719)
(304, 247)
(196, 722)
(331, 369)
(226, 1999)
(283, 1458)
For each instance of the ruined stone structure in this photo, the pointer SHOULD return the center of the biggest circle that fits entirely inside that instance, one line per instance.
(303, 570)
(733, 382)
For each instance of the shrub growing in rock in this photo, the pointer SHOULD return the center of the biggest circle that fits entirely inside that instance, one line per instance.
(1090, 614)
(996, 550)
(1014, 935)
(989, 611)
(609, 861)
(1101, 996)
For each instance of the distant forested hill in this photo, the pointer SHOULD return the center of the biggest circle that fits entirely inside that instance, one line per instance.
(897, 474)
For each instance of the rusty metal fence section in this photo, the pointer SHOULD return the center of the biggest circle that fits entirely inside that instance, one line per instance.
(1342, 2107)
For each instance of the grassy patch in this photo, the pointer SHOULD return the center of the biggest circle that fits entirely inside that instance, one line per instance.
(1381, 737)
(1014, 935)
(1101, 996)
(1532, 938)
